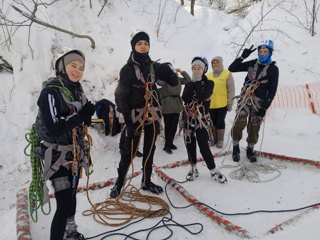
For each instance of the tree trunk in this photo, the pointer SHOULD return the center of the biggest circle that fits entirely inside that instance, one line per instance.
(192, 7)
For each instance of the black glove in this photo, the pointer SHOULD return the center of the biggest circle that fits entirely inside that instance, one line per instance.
(87, 112)
(131, 130)
(262, 112)
(247, 51)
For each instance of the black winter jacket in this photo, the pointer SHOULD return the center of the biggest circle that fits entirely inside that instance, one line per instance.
(200, 91)
(130, 91)
(56, 118)
(266, 91)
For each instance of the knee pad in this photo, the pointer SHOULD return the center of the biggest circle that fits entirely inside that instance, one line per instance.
(60, 183)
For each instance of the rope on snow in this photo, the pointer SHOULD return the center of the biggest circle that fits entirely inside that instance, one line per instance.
(227, 225)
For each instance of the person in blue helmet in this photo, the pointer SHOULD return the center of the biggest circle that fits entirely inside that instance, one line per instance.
(258, 91)
(196, 119)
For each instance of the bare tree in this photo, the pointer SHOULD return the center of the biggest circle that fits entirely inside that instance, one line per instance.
(182, 2)
(192, 7)
(9, 26)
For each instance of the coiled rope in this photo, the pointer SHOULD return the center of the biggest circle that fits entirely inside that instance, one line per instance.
(36, 186)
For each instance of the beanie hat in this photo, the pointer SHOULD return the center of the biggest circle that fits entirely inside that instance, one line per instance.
(198, 63)
(73, 56)
(136, 37)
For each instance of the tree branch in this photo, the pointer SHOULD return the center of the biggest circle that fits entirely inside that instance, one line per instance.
(34, 19)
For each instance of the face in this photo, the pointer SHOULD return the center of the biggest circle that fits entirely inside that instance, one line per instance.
(198, 68)
(142, 46)
(75, 70)
(215, 64)
(263, 51)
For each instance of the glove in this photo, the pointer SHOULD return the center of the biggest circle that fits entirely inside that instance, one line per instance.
(229, 107)
(246, 52)
(196, 76)
(131, 130)
(87, 112)
(262, 112)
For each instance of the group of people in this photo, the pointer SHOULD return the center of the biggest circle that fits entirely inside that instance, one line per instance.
(64, 110)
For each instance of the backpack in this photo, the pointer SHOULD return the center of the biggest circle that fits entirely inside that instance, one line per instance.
(106, 110)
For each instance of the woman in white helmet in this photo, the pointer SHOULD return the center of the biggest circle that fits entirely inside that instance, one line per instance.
(63, 107)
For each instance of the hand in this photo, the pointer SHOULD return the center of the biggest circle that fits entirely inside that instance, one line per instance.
(229, 107)
(87, 112)
(178, 70)
(246, 52)
(196, 76)
(131, 131)
(262, 112)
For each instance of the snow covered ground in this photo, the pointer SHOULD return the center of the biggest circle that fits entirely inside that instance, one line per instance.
(286, 131)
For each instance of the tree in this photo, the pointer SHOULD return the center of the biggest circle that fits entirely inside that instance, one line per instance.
(192, 7)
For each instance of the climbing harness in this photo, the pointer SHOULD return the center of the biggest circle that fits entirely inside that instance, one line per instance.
(195, 119)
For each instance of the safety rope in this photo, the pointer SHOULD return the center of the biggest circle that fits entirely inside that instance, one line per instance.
(194, 118)
(36, 186)
(251, 172)
(122, 208)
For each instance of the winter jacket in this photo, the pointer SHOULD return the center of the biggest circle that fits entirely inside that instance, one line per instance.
(170, 96)
(224, 89)
(130, 92)
(268, 79)
(199, 91)
(57, 117)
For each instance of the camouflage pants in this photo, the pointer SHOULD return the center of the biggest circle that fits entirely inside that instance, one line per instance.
(247, 118)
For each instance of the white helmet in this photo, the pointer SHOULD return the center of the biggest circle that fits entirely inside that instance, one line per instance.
(63, 53)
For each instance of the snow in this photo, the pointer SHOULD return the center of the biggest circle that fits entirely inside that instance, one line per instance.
(286, 131)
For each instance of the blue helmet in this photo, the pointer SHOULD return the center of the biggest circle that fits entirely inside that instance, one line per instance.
(266, 43)
(204, 60)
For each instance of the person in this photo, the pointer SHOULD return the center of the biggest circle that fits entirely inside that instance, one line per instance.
(137, 99)
(63, 109)
(196, 96)
(258, 91)
(221, 99)
(172, 106)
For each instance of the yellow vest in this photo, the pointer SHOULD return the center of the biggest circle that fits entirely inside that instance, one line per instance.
(219, 97)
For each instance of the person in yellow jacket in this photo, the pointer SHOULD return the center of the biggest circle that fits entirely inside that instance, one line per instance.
(221, 99)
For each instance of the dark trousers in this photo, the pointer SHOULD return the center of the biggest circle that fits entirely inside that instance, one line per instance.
(66, 205)
(170, 127)
(201, 136)
(218, 116)
(150, 136)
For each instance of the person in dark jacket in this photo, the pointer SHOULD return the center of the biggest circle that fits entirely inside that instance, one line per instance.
(172, 106)
(63, 109)
(137, 99)
(196, 96)
(258, 91)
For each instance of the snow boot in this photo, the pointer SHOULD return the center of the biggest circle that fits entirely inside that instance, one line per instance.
(236, 153)
(139, 154)
(73, 236)
(71, 232)
(150, 186)
(220, 138)
(173, 147)
(250, 155)
(167, 149)
(116, 190)
(219, 177)
(193, 173)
